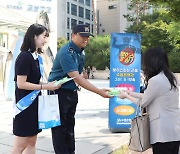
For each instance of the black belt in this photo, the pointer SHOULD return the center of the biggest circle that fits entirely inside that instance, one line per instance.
(68, 90)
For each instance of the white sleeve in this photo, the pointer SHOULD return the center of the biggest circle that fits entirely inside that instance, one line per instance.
(150, 93)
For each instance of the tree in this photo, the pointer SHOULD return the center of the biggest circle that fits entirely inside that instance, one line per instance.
(172, 7)
(174, 35)
(138, 7)
(97, 52)
(60, 42)
(154, 31)
(174, 59)
(160, 29)
(94, 17)
(156, 34)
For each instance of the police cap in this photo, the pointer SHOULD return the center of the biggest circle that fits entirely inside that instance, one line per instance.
(83, 30)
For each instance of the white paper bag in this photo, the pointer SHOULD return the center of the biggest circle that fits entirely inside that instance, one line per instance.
(48, 111)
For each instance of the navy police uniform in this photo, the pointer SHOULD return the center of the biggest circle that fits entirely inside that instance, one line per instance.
(68, 59)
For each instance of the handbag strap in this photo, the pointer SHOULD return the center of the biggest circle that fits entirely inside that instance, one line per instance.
(136, 119)
(138, 106)
(49, 92)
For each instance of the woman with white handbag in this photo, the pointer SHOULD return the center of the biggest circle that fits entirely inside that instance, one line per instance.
(161, 98)
(28, 71)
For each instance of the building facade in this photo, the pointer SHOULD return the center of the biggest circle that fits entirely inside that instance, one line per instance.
(20, 14)
(72, 12)
(110, 16)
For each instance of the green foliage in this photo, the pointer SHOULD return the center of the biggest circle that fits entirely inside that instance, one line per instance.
(172, 7)
(160, 29)
(60, 42)
(174, 35)
(97, 52)
(154, 29)
(174, 61)
(138, 9)
(156, 34)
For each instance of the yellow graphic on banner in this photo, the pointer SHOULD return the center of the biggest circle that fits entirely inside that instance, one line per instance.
(124, 110)
(126, 56)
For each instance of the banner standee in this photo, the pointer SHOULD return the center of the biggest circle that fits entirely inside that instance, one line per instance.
(125, 67)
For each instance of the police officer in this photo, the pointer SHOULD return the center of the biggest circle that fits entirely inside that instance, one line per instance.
(69, 62)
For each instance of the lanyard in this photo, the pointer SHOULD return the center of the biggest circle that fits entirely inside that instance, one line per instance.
(40, 64)
(26, 101)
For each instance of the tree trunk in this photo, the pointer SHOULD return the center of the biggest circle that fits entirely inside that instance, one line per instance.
(94, 18)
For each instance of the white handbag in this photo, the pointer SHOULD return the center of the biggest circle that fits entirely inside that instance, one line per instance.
(48, 111)
(140, 132)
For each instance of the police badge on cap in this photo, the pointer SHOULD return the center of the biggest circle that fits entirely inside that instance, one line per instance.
(83, 30)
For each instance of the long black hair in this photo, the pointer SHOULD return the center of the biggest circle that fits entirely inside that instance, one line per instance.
(28, 42)
(154, 61)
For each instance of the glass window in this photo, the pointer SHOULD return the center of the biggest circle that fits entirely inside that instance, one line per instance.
(73, 23)
(112, 7)
(81, 22)
(88, 2)
(74, 9)
(92, 28)
(81, 1)
(81, 12)
(68, 8)
(68, 23)
(68, 36)
(87, 14)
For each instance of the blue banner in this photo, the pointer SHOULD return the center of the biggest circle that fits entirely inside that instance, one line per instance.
(125, 65)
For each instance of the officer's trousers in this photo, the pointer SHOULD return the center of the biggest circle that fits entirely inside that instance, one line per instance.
(63, 136)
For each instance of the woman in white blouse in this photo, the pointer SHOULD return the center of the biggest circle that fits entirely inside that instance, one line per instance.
(161, 98)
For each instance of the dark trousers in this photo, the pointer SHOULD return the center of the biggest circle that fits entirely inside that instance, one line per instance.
(63, 136)
(166, 148)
